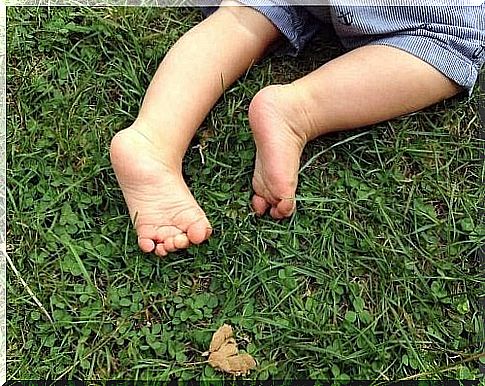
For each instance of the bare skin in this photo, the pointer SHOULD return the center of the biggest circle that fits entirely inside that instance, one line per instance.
(362, 87)
(147, 157)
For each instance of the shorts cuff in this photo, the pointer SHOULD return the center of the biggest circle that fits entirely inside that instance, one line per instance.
(296, 24)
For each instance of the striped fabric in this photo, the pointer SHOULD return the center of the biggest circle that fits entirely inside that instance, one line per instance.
(450, 38)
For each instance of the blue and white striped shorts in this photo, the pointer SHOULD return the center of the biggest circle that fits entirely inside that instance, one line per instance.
(450, 38)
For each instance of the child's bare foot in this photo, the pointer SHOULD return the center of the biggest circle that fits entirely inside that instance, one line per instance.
(277, 121)
(165, 214)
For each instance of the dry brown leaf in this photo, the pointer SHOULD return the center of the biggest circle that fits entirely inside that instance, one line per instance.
(219, 362)
(241, 363)
(224, 353)
(236, 364)
(220, 336)
(228, 348)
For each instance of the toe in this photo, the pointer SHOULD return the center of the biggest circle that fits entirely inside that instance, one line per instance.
(283, 209)
(160, 250)
(169, 245)
(150, 237)
(181, 241)
(146, 245)
(199, 231)
(286, 207)
(156, 233)
(165, 232)
(275, 213)
(259, 205)
(208, 232)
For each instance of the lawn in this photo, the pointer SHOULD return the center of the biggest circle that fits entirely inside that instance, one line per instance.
(376, 276)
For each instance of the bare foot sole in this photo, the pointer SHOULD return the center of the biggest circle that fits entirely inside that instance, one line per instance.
(279, 147)
(162, 208)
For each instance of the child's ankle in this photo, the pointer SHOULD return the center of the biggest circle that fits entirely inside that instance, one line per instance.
(147, 130)
(152, 137)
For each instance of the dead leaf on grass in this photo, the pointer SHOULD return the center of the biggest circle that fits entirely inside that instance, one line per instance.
(223, 353)
(220, 336)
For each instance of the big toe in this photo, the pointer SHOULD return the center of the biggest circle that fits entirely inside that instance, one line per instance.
(199, 231)
(283, 209)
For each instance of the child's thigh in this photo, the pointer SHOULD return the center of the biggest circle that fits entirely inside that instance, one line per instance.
(295, 23)
(451, 39)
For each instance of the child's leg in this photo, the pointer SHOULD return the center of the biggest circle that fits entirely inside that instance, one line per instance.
(365, 86)
(147, 157)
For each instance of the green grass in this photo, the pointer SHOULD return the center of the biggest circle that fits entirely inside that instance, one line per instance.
(375, 277)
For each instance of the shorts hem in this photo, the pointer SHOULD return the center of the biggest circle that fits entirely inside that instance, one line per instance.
(296, 24)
